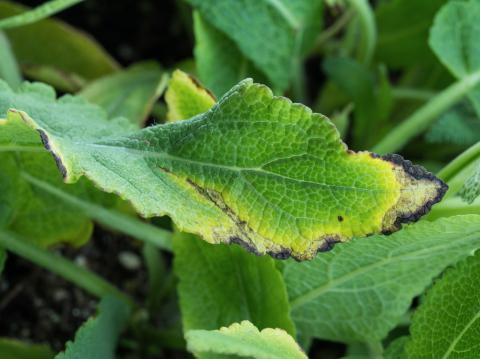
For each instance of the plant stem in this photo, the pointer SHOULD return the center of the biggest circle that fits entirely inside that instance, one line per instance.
(110, 218)
(423, 117)
(9, 69)
(405, 93)
(332, 31)
(40, 12)
(375, 350)
(452, 207)
(460, 162)
(369, 30)
(80, 276)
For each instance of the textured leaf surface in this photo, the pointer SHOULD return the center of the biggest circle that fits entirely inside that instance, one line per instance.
(25, 209)
(273, 34)
(220, 64)
(52, 43)
(471, 188)
(14, 349)
(245, 340)
(254, 169)
(403, 27)
(360, 290)
(447, 324)
(454, 39)
(130, 93)
(186, 98)
(223, 284)
(97, 338)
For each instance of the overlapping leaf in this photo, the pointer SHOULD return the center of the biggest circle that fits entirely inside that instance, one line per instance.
(245, 340)
(273, 34)
(53, 52)
(447, 324)
(255, 169)
(222, 284)
(14, 349)
(130, 93)
(453, 38)
(360, 290)
(97, 338)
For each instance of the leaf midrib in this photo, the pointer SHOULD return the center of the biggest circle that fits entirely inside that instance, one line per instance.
(168, 156)
(317, 292)
(451, 348)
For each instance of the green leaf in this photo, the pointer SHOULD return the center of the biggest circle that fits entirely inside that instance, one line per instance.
(219, 285)
(272, 34)
(458, 126)
(35, 203)
(43, 11)
(471, 188)
(9, 70)
(372, 101)
(396, 349)
(14, 349)
(447, 323)
(360, 290)
(403, 31)
(220, 64)
(57, 47)
(97, 338)
(453, 38)
(255, 169)
(245, 340)
(130, 93)
(186, 97)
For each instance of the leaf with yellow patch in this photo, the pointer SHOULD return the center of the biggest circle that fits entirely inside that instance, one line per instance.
(186, 97)
(255, 169)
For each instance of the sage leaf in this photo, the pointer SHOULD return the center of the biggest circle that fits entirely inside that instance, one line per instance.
(360, 290)
(97, 337)
(272, 34)
(50, 47)
(255, 169)
(453, 38)
(129, 93)
(220, 64)
(15, 349)
(245, 340)
(186, 98)
(220, 284)
(471, 188)
(447, 323)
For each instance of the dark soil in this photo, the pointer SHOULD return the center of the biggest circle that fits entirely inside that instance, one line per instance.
(40, 307)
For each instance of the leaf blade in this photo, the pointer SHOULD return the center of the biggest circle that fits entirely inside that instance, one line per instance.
(244, 339)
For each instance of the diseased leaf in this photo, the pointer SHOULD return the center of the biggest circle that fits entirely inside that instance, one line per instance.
(454, 39)
(360, 290)
(220, 64)
(447, 323)
(186, 97)
(403, 31)
(130, 93)
(471, 188)
(255, 169)
(56, 45)
(97, 337)
(245, 340)
(219, 285)
(14, 349)
(273, 34)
